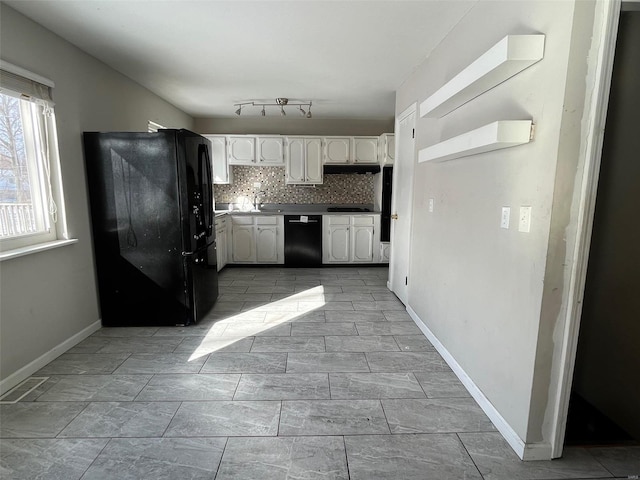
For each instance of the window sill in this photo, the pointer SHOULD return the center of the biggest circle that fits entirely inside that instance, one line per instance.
(41, 247)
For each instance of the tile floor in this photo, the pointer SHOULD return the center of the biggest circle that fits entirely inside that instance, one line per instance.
(296, 374)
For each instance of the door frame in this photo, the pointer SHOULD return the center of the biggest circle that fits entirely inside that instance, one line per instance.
(605, 30)
(411, 109)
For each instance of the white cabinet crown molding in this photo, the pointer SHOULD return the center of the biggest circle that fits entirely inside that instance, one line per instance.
(505, 59)
(493, 136)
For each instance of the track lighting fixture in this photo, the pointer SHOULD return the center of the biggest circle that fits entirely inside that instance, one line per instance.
(279, 102)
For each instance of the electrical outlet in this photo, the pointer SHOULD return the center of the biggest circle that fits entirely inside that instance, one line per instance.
(525, 219)
(257, 184)
(504, 219)
(431, 205)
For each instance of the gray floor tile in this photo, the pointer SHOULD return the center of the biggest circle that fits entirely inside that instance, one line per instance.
(325, 306)
(245, 363)
(365, 288)
(497, 461)
(347, 316)
(215, 419)
(284, 458)
(436, 416)
(409, 457)
(81, 388)
(332, 417)
(161, 363)
(89, 345)
(406, 362)
(83, 364)
(326, 362)
(379, 305)
(201, 346)
(190, 387)
(37, 420)
(50, 459)
(286, 386)
(200, 330)
(334, 328)
(263, 329)
(296, 317)
(161, 344)
(387, 328)
(289, 344)
(270, 289)
(348, 297)
(441, 384)
(244, 297)
(620, 461)
(125, 332)
(370, 343)
(374, 385)
(122, 419)
(397, 316)
(414, 343)
(158, 459)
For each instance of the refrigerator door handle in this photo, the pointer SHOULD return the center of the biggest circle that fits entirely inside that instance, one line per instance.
(204, 167)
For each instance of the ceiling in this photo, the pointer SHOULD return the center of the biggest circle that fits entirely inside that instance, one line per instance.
(347, 57)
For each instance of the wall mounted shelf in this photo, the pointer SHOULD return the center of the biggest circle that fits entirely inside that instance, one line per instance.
(494, 136)
(505, 59)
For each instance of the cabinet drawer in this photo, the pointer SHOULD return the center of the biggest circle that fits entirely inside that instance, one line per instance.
(338, 220)
(267, 220)
(363, 220)
(242, 220)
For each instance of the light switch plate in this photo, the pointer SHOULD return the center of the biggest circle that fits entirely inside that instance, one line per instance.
(504, 219)
(431, 205)
(525, 219)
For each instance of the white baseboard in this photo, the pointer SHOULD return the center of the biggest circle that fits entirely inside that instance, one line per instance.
(32, 367)
(537, 451)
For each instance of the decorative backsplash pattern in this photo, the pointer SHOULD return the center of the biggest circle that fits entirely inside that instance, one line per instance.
(336, 189)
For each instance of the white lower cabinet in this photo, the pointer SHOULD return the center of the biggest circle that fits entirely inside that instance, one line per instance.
(350, 239)
(385, 249)
(222, 243)
(257, 239)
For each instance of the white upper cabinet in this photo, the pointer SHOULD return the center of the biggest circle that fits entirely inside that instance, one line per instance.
(364, 150)
(221, 172)
(337, 149)
(303, 161)
(387, 148)
(270, 151)
(242, 150)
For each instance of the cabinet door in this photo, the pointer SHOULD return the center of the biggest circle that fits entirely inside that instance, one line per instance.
(221, 172)
(365, 150)
(270, 151)
(243, 243)
(295, 161)
(337, 149)
(338, 243)
(390, 150)
(362, 237)
(221, 248)
(242, 150)
(313, 147)
(267, 244)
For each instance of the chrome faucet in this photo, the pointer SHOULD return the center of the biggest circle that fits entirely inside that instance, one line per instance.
(256, 196)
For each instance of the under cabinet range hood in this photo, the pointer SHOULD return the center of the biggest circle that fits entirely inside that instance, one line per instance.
(332, 169)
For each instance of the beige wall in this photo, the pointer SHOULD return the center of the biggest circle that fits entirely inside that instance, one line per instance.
(479, 288)
(48, 297)
(293, 125)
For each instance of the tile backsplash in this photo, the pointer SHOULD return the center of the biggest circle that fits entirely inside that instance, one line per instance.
(336, 189)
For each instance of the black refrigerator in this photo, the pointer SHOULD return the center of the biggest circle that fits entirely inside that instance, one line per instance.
(151, 197)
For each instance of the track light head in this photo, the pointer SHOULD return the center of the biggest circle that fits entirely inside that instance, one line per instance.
(239, 111)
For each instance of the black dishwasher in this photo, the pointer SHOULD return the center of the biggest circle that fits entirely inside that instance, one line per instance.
(303, 240)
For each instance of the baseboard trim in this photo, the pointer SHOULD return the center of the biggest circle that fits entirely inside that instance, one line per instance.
(541, 451)
(32, 367)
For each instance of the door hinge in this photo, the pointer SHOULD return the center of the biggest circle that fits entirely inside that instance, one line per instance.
(406, 280)
(413, 133)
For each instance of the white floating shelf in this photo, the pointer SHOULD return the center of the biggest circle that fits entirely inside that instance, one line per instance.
(494, 136)
(506, 58)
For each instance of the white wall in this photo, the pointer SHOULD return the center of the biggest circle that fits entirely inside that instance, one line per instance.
(479, 288)
(48, 297)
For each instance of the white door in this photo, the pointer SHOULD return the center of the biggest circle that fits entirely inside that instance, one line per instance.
(242, 150)
(270, 151)
(243, 244)
(295, 161)
(337, 149)
(267, 244)
(313, 147)
(401, 199)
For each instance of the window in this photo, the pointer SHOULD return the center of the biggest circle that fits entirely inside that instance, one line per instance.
(30, 187)
(153, 127)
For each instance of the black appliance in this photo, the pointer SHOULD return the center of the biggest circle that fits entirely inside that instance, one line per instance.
(348, 209)
(303, 240)
(385, 215)
(152, 215)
